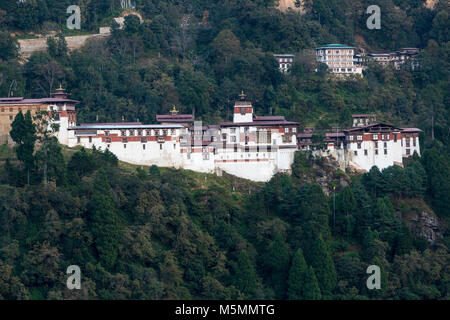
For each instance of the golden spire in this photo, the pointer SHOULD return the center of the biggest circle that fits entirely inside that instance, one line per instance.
(174, 111)
(60, 87)
(242, 95)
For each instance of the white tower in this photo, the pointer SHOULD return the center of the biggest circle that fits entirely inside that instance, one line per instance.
(243, 110)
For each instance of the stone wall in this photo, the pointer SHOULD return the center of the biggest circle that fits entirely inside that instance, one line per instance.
(28, 46)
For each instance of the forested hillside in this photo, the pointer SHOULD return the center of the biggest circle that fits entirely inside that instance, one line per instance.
(152, 233)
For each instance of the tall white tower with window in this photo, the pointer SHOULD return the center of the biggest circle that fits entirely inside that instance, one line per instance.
(243, 110)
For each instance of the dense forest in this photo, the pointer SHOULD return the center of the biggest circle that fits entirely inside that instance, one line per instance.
(154, 233)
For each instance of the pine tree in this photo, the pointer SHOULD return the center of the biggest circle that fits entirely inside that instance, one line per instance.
(320, 259)
(311, 290)
(23, 133)
(245, 276)
(277, 265)
(297, 277)
(105, 221)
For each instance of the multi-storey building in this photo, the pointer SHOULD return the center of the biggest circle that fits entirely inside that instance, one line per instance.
(396, 59)
(63, 108)
(285, 61)
(371, 143)
(338, 58)
(251, 147)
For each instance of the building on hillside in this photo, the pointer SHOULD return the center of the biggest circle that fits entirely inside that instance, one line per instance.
(285, 61)
(397, 59)
(339, 58)
(185, 120)
(64, 108)
(384, 59)
(370, 143)
(251, 147)
(360, 120)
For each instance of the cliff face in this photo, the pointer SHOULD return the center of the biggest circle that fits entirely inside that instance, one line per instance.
(421, 219)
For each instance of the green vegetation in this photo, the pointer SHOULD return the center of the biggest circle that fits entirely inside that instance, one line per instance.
(157, 233)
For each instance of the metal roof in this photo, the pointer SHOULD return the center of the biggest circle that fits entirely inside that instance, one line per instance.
(335, 46)
(126, 126)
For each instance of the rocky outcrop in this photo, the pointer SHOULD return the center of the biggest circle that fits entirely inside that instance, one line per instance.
(426, 225)
(420, 219)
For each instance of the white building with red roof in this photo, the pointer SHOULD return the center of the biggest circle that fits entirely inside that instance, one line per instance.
(371, 143)
(251, 147)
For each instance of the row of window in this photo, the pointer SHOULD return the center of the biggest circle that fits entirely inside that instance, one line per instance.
(139, 132)
(366, 153)
(11, 109)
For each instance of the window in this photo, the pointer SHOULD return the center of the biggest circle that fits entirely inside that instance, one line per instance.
(395, 138)
(376, 151)
(11, 109)
(414, 142)
(160, 147)
(131, 133)
(108, 140)
(123, 133)
(356, 153)
(385, 151)
(90, 139)
(124, 146)
(359, 145)
(78, 140)
(124, 140)
(108, 146)
(10, 117)
(106, 133)
(351, 138)
(233, 138)
(294, 130)
(365, 152)
(143, 146)
(3, 109)
(408, 151)
(139, 132)
(376, 144)
(359, 138)
(375, 137)
(385, 144)
(148, 132)
(233, 130)
(224, 136)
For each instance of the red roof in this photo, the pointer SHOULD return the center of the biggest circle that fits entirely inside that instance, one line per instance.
(175, 117)
(410, 130)
(35, 101)
(110, 124)
(258, 123)
(269, 118)
(371, 125)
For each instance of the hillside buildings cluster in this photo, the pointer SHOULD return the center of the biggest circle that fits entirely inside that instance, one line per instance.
(251, 146)
(342, 59)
